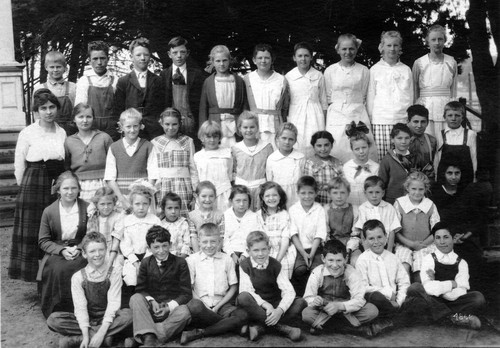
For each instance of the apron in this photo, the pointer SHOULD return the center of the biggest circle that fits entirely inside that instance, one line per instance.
(462, 154)
(101, 99)
(64, 119)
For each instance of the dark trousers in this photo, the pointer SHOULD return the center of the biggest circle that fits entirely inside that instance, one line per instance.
(384, 306)
(471, 302)
(227, 319)
(301, 272)
(257, 314)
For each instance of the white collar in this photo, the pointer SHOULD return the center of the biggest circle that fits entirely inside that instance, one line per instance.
(258, 265)
(440, 255)
(382, 204)
(260, 145)
(383, 62)
(203, 256)
(219, 153)
(134, 144)
(458, 130)
(425, 205)
(376, 256)
(73, 210)
(158, 262)
(138, 73)
(182, 68)
(296, 155)
(311, 74)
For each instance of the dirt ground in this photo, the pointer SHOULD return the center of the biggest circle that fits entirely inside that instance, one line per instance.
(23, 324)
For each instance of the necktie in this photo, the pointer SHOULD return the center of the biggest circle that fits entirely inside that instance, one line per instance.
(163, 266)
(405, 160)
(178, 78)
(359, 168)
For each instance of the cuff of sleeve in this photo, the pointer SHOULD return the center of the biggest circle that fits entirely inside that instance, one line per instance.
(283, 309)
(149, 298)
(172, 305)
(132, 258)
(107, 319)
(387, 292)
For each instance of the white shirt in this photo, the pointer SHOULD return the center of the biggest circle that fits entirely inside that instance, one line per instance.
(82, 86)
(384, 273)
(69, 221)
(287, 291)
(110, 172)
(384, 212)
(456, 137)
(237, 229)
(309, 225)
(141, 77)
(183, 70)
(444, 288)
(211, 276)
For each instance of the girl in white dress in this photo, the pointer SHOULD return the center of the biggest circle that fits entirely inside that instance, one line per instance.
(346, 88)
(308, 103)
(435, 79)
(214, 163)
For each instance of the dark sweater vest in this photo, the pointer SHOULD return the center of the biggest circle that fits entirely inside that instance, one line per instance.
(264, 281)
(444, 272)
(340, 221)
(134, 166)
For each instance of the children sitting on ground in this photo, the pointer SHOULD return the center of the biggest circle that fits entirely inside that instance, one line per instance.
(458, 141)
(445, 277)
(308, 231)
(214, 283)
(322, 166)
(266, 294)
(96, 292)
(374, 209)
(163, 289)
(418, 214)
(423, 146)
(397, 163)
(336, 289)
(177, 225)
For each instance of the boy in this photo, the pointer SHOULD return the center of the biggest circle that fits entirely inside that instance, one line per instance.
(183, 83)
(96, 292)
(308, 231)
(141, 89)
(176, 224)
(422, 145)
(445, 277)
(214, 283)
(266, 294)
(456, 140)
(55, 64)
(163, 289)
(384, 276)
(337, 289)
(377, 209)
(97, 89)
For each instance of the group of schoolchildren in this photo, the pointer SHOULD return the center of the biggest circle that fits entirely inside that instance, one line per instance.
(271, 224)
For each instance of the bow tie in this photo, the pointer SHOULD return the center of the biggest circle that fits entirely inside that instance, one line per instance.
(353, 128)
(365, 167)
(54, 83)
(178, 78)
(162, 265)
(405, 160)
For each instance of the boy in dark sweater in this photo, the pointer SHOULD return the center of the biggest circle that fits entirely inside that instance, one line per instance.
(163, 288)
(266, 293)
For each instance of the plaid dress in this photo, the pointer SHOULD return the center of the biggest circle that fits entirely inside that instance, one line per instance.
(323, 171)
(197, 219)
(176, 154)
(277, 226)
(180, 241)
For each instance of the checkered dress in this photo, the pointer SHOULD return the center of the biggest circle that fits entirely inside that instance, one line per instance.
(382, 135)
(323, 171)
(168, 158)
(196, 220)
(276, 227)
(180, 241)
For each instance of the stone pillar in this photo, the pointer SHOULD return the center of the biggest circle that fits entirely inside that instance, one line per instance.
(12, 116)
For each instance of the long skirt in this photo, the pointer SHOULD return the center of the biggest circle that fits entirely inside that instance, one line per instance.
(56, 283)
(33, 196)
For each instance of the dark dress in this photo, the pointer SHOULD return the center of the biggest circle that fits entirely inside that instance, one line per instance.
(55, 271)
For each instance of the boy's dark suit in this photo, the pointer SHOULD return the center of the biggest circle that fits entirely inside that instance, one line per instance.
(149, 101)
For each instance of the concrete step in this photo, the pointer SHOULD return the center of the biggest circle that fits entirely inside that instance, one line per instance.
(10, 190)
(8, 182)
(6, 174)
(7, 209)
(7, 155)
(8, 140)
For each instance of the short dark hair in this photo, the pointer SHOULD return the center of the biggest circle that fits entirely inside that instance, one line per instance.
(398, 128)
(170, 196)
(441, 225)
(157, 233)
(142, 41)
(209, 229)
(176, 42)
(262, 47)
(372, 224)
(240, 189)
(42, 96)
(95, 237)
(322, 135)
(256, 237)
(304, 45)
(417, 110)
(374, 180)
(98, 46)
(307, 180)
(334, 246)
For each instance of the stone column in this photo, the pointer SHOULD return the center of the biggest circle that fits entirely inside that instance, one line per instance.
(12, 116)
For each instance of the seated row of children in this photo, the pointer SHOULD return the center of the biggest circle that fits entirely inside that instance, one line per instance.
(174, 294)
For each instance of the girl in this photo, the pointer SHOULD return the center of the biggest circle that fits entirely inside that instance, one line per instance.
(346, 87)
(275, 221)
(63, 226)
(250, 156)
(418, 216)
(435, 78)
(86, 152)
(286, 165)
(175, 152)
(205, 212)
(239, 221)
(390, 91)
(361, 167)
(223, 95)
(267, 93)
(307, 97)
(322, 166)
(39, 159)
(177, 225)
(104, 219)
(132, 229)
(397, 163)
(213, 163)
